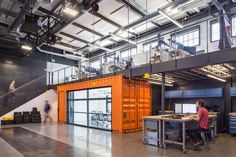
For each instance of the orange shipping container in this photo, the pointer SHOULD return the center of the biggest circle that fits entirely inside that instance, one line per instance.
(131, 100)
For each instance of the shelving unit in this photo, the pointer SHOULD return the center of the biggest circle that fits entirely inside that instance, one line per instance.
(232, 123)
(152, 130)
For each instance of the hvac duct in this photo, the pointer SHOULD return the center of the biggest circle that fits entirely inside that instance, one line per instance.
(30, 6)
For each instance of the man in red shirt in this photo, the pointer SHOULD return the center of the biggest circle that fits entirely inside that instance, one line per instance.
(202, 119)
(202, 116)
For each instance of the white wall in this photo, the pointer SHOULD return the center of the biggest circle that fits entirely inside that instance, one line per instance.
(50, 95)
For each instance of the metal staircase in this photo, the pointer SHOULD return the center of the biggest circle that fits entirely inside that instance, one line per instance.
(22, 94)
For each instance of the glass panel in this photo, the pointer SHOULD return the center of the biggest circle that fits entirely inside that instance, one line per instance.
(96, 64)
(98, 103)
(61, 76)
(100, 120)
(190, 43)
(234, 26)
(215, 31)
(68, 74)
(98, 106)
(100, 93)
(124, 54)
(80, 119)
(80, 106)
(82, 94)
(55, 77)
(190, 38)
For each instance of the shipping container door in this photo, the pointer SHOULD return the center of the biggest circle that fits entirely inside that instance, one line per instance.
(129, 105)
(143, 101)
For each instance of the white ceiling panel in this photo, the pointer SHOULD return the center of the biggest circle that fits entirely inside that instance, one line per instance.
(108, 6)
(65, 38)
(87, 19)
(104, 27)
(87, 36)
(152, 5)
(105, 42)
(124, 16)
(71, 29)
(144, 27)
(77, 43)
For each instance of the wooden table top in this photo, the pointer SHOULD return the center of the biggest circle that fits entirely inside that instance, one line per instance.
(166, 118)
(232, 114)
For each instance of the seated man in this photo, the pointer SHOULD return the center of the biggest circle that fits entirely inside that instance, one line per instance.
(202, 119)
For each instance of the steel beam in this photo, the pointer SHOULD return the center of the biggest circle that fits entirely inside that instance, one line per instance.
(107, 20)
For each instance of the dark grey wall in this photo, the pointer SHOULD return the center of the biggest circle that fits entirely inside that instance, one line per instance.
(222, 105)
(25, 69)
(156, 99)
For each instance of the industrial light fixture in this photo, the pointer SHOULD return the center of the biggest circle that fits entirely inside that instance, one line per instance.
(170, 18)
(70, 11)
(158, 83)
(127, 40)
(26, 47)
(217, 78)
(168, 82)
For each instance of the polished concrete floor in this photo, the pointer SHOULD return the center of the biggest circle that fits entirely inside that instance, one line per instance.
(59, 140)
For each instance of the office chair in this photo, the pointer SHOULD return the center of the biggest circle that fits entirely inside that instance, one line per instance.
(100, 119)
(94, 119)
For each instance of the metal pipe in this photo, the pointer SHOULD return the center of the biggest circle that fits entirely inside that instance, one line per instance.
(163, 94)
(60, 55)
(20, 18)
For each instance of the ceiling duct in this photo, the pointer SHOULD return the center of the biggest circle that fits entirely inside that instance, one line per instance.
(30, 6)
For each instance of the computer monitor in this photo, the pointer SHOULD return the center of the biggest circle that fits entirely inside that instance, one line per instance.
(189, 108)
(178, 108)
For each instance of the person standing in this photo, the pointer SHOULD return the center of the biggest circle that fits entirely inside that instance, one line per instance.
(202, 119)
(12, 94)
(47, 108)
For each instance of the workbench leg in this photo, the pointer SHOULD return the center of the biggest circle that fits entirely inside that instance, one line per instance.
(163, 134)
(159, 134)
(215, 127)
(184, 137)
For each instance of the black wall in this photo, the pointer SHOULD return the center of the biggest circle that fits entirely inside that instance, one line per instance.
(156, 99)
(25, 69)
(224, 105)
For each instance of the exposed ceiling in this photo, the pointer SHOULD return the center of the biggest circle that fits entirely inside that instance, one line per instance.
(125, 19)
(115, 21)
(220, 72)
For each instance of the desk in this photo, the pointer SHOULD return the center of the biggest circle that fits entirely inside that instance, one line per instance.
(157, 125)
(152, 130)
(181, 121)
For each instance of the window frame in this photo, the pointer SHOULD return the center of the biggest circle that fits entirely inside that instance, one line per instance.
(189, 30)
(211, 23)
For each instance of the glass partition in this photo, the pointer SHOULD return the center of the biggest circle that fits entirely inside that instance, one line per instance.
(90, 107)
